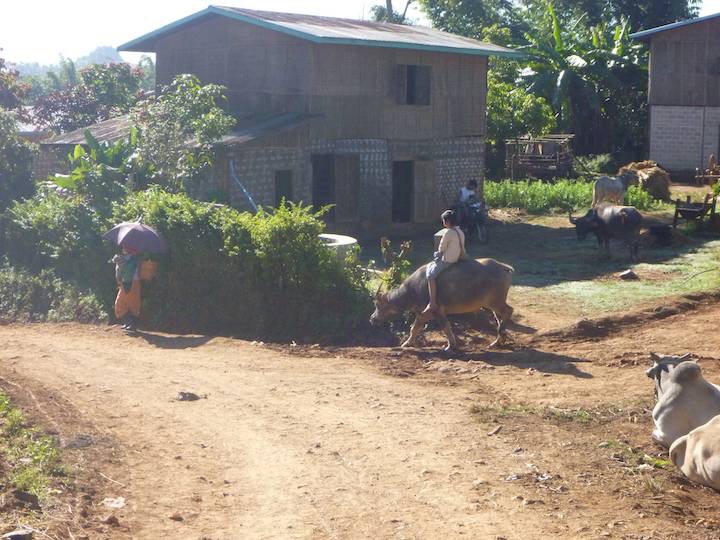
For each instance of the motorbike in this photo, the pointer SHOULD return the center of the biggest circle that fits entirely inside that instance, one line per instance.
(473, 218)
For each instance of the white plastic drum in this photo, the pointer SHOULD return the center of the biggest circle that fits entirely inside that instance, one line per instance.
(340, 243)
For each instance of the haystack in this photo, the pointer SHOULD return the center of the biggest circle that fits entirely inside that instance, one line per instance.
(653, 179)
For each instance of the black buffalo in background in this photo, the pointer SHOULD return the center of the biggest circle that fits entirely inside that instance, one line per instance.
(610, 222)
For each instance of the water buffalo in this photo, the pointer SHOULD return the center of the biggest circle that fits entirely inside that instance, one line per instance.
(609, 222)
(612, 189)
(465, 287)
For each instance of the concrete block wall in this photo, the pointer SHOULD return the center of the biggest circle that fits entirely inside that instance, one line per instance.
(256, 167)
(375, 198)
(50, 160)
(682, 138)
(456, 161)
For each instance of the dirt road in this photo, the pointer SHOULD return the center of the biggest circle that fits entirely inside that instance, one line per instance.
(359, 443)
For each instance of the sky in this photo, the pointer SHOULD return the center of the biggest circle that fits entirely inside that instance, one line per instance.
(40, 31)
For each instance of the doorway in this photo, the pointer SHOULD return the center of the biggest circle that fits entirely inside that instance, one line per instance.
(403, 181)
(323, 183)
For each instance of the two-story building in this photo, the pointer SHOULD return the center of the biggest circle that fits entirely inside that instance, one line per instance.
(384, 121)
(684, 92)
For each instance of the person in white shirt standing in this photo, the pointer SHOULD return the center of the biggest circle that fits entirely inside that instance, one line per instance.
(450, 251)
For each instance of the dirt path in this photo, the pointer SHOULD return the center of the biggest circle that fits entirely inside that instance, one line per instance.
(331, 445)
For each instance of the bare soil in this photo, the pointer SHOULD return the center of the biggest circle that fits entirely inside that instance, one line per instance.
(543, 438)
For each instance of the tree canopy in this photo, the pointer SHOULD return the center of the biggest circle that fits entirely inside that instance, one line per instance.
(579, 60)
(96, 93)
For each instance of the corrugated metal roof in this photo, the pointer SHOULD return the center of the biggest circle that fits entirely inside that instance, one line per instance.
(254, 127)
(248, 128)
(108, 131)
(652, 31)
(330, 30)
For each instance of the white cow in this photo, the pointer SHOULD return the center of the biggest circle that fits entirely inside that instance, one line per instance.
(697, 454)
(685, 400)
(611, 188)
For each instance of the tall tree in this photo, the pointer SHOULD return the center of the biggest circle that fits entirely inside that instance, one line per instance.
(467, 17)
(585, 72)
(12, 91)
(386, 13)
(177, 131)
(642, 14)
(16, 154)
(103, 91)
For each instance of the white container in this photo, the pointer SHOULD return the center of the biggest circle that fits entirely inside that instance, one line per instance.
(340, 243)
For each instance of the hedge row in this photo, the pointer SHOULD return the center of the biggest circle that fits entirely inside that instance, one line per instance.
(266, 275)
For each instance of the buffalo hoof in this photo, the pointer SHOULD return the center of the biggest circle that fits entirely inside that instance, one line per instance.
(450, 348)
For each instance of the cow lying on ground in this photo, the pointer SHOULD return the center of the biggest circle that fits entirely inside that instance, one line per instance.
(608, 222)
(612, 189)
(685, 400)
(697, 454)
(465, 287)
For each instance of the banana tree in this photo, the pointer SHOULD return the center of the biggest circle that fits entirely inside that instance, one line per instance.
(580, 70)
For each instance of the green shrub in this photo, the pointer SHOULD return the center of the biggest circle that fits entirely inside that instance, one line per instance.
(16, 158)
(26, 297)
(265, 275)
(595, 164)
(51, 231)
(537, 197)
(563, 195)
(641, 199)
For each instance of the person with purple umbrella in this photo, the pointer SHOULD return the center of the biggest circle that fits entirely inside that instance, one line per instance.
(128, 299)
(134, 237)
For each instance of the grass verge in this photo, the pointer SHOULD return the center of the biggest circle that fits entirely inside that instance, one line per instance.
(31, 459)
(495, 412)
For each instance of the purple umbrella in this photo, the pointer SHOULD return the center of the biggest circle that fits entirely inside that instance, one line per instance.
(138, 236)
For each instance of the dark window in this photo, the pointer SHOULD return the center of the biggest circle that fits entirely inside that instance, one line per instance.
(283, 187)
(413, 85)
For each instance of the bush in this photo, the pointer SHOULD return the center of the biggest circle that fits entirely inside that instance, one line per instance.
(595, 164)
(51, 231)
(537, 197)
(641, 199)
(266, 275)
(27, 297)
(563, 195)
(16, 158)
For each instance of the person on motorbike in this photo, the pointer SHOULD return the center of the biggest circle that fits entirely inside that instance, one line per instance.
(468, 192)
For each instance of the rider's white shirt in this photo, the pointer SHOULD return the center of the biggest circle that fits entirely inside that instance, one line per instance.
(466, 194)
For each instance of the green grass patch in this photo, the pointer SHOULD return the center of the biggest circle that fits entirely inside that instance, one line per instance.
(665, 276)
(538, 197)
(496, 411)
(31, 458)
(634, 456)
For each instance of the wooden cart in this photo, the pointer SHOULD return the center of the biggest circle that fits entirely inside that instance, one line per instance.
(550, 156)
